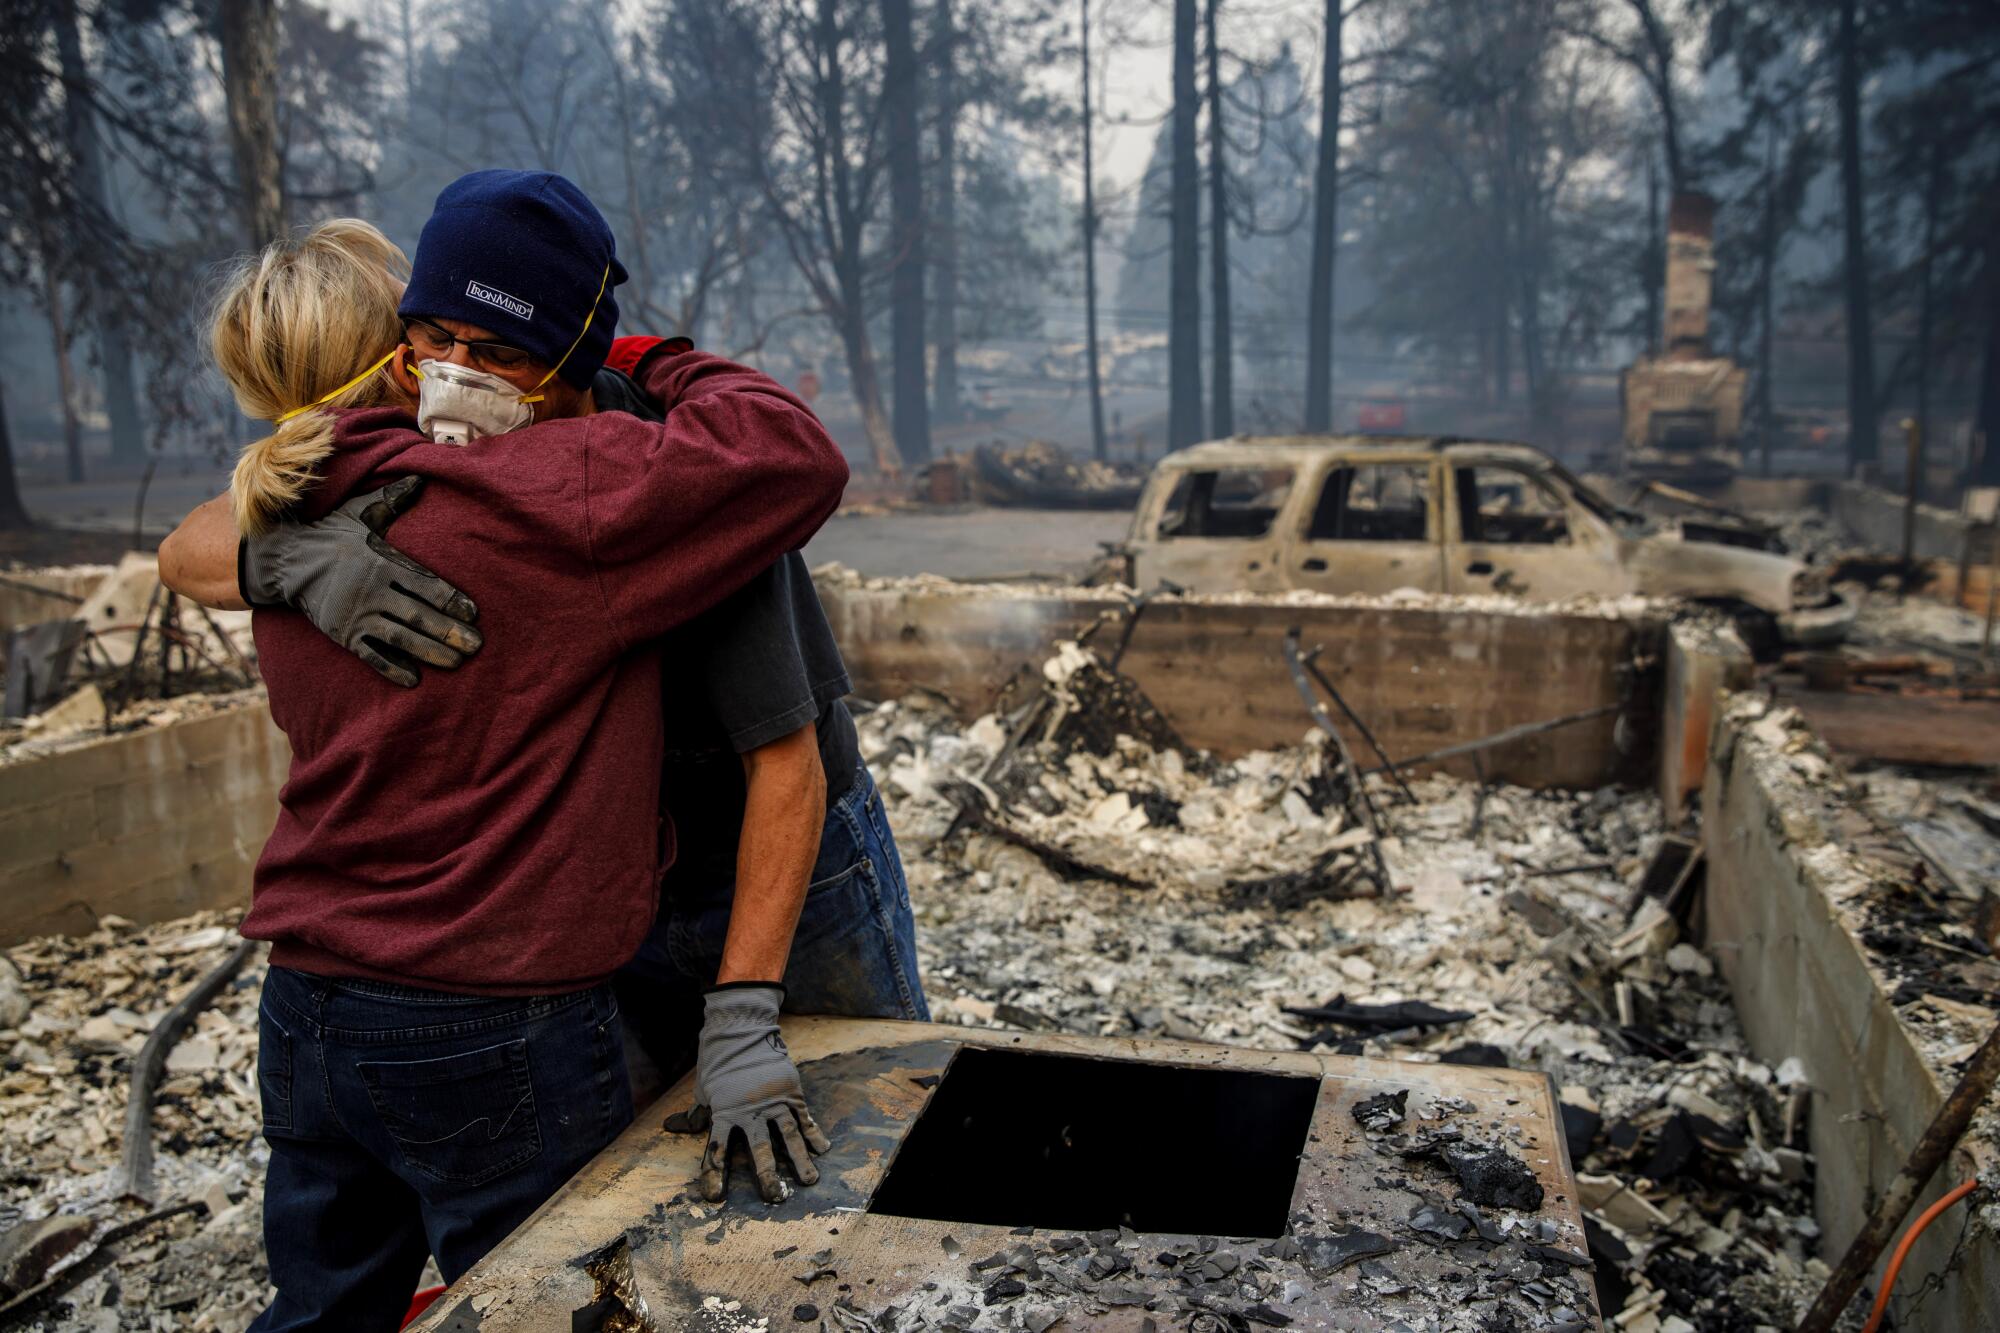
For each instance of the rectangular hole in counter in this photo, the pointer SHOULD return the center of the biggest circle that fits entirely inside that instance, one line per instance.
(1063, 1142)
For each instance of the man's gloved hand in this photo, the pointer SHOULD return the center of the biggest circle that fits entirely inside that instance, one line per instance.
(744, 1080)
(360, 591)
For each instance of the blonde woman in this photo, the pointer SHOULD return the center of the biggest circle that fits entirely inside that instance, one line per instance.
(457, 870)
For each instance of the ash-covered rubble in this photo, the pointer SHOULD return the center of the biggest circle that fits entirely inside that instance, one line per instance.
(1514, 935)
(74, 1011)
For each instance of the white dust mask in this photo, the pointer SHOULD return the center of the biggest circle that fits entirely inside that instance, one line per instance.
(457, 404)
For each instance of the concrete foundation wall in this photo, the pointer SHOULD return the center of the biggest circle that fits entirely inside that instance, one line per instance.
(1421, 678)
(1702, 665)
(1772, 495)
(1876, 517)
(148, 825)
(1804, 987)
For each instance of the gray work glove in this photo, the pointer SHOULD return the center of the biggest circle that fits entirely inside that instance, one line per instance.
(744, 1080)
(360, 591)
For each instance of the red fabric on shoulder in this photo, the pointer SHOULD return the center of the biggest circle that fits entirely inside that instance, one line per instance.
(630, 352)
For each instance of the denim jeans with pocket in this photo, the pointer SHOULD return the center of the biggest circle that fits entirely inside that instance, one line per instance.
(854, 953)
(405, 1123)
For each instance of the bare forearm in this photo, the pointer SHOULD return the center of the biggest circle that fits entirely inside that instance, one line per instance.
(783, 812)
(198, 559)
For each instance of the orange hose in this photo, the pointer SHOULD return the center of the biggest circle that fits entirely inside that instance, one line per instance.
(1903, 1252)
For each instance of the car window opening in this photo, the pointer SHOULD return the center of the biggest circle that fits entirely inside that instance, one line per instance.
(1373, 502)
(1226, 502)
(1505, 506)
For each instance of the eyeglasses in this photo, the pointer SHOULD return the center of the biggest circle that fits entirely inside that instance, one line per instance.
(432, 341)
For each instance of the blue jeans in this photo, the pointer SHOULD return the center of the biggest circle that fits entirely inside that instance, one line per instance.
(405, 1123)
(854, 954)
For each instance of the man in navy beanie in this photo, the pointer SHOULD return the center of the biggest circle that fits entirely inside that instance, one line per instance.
(520, 260)
(786, 886)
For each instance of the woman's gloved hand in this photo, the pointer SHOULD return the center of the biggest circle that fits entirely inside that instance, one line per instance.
(745, 1080)
(360, 591)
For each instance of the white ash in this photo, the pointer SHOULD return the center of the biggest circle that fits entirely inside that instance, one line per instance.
(90, 1002)
(1629, 607)
(1004, 941)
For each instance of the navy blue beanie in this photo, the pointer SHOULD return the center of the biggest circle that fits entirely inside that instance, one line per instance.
(523, 253)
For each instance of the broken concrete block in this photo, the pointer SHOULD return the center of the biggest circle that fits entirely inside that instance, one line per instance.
(80, 712)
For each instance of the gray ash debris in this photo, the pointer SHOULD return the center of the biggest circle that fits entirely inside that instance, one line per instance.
(1513, 920)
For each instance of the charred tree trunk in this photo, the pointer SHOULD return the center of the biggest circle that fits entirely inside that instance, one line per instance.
(114, 347)
(1222, 387)
(13, 514)
(1767, 265)
(249, 38)
(945, 392)
(1863, 414)
(1325, 235)
(912, 418)
(1986, 428)
(1933, 200)
(1655, 260)
(1097, 443)
(1184, 419)
(60, 335)
(867, 386)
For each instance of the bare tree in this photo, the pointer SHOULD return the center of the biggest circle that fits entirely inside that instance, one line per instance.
(793, 96)
(906, 237)
(1184, 415)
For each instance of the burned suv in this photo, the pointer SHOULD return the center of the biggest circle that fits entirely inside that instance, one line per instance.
(1349, 514)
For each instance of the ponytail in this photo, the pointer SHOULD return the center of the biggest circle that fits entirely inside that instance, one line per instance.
(307, 322)
(274, 472)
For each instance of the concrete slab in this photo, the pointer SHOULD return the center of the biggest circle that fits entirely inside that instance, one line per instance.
(626, 1235)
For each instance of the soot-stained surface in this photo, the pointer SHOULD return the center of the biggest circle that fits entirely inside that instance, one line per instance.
(1374, 1237)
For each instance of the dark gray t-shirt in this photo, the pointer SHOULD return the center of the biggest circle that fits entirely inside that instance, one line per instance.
(758, 666)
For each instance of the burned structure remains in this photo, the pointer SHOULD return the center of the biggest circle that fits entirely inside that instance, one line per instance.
(1394, 959)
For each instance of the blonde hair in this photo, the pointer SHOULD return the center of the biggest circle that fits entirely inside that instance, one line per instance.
(293, 324)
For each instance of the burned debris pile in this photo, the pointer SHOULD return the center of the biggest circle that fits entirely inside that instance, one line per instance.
(1040, 475)
(74, 1014)
(130, 654)
(1514, 932)
(1085, 773)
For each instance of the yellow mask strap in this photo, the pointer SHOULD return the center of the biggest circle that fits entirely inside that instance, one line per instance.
(602, 283)
(327, 398)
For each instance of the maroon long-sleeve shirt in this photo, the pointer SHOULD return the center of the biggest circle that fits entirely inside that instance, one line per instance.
(498, 830)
